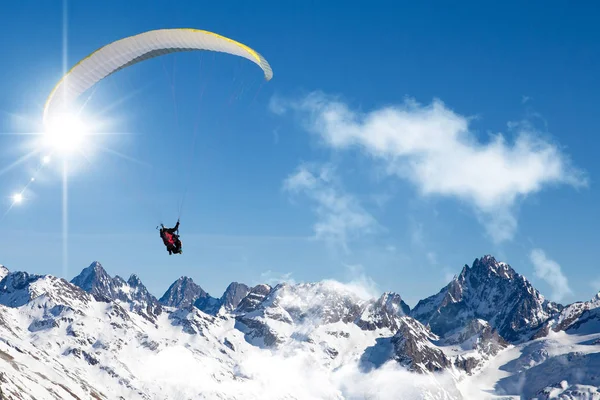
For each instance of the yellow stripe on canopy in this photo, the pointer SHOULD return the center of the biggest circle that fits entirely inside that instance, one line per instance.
(133, 49)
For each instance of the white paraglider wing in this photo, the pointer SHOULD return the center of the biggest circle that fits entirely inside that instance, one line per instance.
(131, 50)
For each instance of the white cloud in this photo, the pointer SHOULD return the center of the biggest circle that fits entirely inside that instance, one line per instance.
(360, 283)
(416, 234)
(272, 278)
(340, 215)
(550, 271)
(596, 284)
(279, 374)
(277, 106)
(290, 372)
(432, 258)
(433, 148)
(449, 275)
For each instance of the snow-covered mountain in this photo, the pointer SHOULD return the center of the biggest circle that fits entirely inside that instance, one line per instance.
(182, 293)
(491, 291)
(574, 317)
(133, 293)
(100, 337)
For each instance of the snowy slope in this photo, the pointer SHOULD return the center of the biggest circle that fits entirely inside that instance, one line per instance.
(101, 337)
(560, 364)
(99, 349)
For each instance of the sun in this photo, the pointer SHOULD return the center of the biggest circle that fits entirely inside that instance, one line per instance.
(65, 134)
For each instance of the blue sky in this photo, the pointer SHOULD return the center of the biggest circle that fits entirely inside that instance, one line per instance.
(395, 143)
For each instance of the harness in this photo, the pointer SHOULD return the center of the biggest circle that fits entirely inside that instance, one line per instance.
(169, 238)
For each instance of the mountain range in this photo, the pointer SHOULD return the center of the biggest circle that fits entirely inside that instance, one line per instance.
(487, 334)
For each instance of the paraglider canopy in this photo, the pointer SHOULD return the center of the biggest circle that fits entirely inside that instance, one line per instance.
(133, 49)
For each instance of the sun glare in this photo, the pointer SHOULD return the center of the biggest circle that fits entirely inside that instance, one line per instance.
(65, 134)
(17, 198)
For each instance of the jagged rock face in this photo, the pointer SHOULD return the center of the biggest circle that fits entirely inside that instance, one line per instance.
(477, 332)
(256, 296)
(572, 317)
(97, 282)
(191, 321)
(489, 290)
(255, 313)
(208, 305)
(230, 299)
(386, 312)
(479, 336)
(17, 281)
(19, 288)
(563, 391)
(233, 295)
(138, 296)
(182, 293)
(414, 350)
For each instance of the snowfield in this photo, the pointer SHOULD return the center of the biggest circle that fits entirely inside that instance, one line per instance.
(99, 337)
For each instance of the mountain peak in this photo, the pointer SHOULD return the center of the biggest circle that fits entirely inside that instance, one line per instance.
(134, 281)
(393, 303)
(233, 295)
(18, 280)
(182, 293)
(255, 296)
(19, 287)
(184, 279)
(385, 312)
(94, 280)
(489, 265)
(490, 290)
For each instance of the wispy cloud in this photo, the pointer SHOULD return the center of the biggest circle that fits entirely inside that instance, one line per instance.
(292, 372)
(341, 217)
(272, 278)
(416, 234)
(277, 105)
(550, 271)
(448, 274)
(596, 284)
(432, 258)
(433, 147)
(359, 283)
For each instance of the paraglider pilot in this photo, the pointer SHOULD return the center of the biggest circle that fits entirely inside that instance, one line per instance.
(171, 239)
